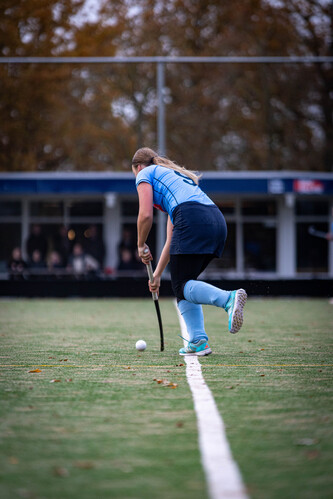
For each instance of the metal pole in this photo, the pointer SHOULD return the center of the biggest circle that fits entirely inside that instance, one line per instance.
(161, 143)
(160, 110)
(173, 60)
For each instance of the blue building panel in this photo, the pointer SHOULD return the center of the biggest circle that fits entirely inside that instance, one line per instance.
(234, 186)
(66, 186)
(251, 183)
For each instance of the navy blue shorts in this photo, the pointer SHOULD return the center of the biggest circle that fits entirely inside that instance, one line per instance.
(198, 229)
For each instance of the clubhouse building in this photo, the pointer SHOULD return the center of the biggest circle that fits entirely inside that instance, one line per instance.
(268, 216)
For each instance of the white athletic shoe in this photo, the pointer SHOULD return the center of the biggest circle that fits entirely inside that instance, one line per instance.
(234, 307)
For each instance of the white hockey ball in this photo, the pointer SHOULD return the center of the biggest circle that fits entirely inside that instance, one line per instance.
(141, 345)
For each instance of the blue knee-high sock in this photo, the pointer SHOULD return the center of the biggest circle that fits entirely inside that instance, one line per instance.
(205, 294)
(194, 320)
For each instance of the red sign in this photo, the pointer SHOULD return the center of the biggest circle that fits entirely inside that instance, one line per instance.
(308, 186)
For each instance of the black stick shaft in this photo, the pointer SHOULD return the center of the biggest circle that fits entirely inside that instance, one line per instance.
(157, 306)
(159, 318)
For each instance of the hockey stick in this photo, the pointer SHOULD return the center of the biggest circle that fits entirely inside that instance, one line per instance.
(157, 306)
(317, 233)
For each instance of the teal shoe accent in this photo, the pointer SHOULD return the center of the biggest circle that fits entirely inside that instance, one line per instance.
(234, 307)
(199, 349)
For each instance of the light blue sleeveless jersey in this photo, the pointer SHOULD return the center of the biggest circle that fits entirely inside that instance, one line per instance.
(171, 188)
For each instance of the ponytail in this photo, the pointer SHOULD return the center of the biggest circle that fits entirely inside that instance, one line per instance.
(146, 156)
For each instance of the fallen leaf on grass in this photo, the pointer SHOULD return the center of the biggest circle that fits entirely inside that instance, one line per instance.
(262, 375)
(35, 371)
(24, 409)
(179, 424)
(307, 441)
(84, 465)
(165, 382)
(55, 381)
(59, 471)
(13, 460)
(312, 454)
(229, 387)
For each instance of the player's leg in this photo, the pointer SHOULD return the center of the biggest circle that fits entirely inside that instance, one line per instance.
(199, 292)
(188, 268)
(181, 270)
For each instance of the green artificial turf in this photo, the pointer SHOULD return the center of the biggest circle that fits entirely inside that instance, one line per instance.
(106, 428)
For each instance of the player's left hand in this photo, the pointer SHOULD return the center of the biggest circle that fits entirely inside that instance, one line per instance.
(154, 287)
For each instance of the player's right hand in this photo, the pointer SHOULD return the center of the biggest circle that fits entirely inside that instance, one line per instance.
(144, 254)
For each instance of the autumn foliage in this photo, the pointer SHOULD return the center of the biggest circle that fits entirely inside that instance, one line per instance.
(218, 116)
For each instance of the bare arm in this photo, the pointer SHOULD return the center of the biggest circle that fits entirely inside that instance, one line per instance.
(145, 219)
(163, 261)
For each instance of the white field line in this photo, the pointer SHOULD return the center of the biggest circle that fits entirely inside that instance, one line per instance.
(222, 474)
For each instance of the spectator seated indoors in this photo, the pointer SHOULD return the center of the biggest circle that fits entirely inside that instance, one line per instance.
(94, 245)
(37, 261)
(128, 240)
(36, 241)
(55, 265)
(127, 260)
(62, 244)
(54, 261)
(37, 266)
(81, 263)
(16, 265)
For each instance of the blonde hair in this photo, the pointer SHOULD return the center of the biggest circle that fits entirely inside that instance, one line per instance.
(146, 156)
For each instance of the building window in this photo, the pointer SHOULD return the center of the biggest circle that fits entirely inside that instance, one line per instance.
(90, 238)
(10, 209)
(312, 252)
(259, 221)
(127, 246)
(47, 209)
(130, 208)
(258, 208)
(10, 230)
(259, 247)
(86, 208)
(251, 228)
(10, 236)
(311, 207)
(227, 206)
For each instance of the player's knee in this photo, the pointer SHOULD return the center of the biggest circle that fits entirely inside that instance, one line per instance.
(178, 290)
